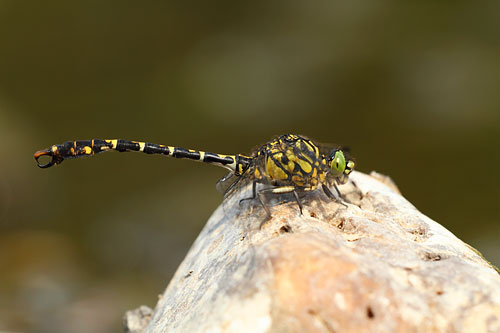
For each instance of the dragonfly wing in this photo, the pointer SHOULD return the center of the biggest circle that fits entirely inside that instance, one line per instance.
(226, 182)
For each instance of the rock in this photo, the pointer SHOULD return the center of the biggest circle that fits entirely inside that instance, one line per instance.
(377, 265)
(136, 320)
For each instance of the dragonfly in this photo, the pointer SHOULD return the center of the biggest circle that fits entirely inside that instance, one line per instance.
(288, 163)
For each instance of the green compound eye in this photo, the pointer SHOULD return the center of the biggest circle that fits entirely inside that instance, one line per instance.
(337, 163)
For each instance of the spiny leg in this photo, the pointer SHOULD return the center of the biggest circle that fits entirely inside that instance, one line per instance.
(331, 195)
(278, 190)
(281, 190)
(254, 192)
(268, 212)
(338, 191)
(288, 189)
(255, 195)
(298, 200)
(340, 194)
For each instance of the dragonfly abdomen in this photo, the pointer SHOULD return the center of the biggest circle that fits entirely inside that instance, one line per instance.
(79, 148)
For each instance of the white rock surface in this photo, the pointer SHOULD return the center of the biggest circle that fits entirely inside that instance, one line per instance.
(378, 265)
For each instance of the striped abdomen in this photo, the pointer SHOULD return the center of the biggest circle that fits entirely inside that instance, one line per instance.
(72, 149)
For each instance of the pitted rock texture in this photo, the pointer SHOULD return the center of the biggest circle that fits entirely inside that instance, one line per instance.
(377, 265)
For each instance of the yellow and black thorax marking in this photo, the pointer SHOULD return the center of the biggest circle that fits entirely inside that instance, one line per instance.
(290, 160)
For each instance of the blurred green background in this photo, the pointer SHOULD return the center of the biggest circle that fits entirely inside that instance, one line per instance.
(411, 88)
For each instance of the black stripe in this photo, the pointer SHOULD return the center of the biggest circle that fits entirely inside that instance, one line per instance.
(277, 163)
(80, 144)
(303, 158)
(70, 149)
(65, 149)
(98, 144)
(303, 171)
(153, 148)
(184, 153)
(244, 161)
(312, 145)
(214, 158)
(124, 145)
(303, 151)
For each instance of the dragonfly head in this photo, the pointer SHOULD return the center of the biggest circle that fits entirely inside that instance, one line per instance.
(340, 166)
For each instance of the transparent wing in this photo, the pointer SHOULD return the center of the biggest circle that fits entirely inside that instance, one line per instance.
(326, 148)
(226, 182)
(230, 185)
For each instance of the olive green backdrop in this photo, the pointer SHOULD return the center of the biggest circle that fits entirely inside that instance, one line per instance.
(412, 89)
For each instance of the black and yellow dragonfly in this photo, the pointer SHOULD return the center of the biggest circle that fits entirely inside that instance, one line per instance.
(288, 163)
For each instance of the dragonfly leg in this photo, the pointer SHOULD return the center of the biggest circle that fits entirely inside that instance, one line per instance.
(254, 193)
(288, 189)
(338, 191)
(332, 196)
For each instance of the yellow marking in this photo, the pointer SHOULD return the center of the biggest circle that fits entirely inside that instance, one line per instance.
(231, 166)
(283, 189)
(141, 145)
(290, 155)
(54, 149)
(308, 145)
(87, 150)
(307, 158)
(114, 143)
(274, 171)
(72, 150)
(105, 148)
(171, 149)
(92, 143)
(304, 165)
(275, 150)
(297, 180)
(257, 173)
(315, 173)
(202, 155)
(322, 177)
(316, 149)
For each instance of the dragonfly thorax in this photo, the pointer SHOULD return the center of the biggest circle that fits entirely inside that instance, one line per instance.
(290, 160)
